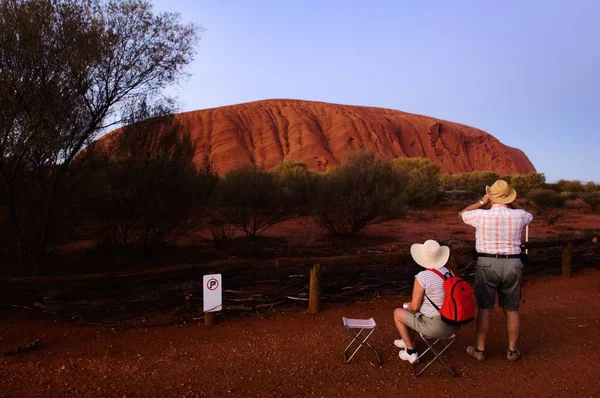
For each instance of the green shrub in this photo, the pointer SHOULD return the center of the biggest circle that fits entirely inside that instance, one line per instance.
(481, 179)
(591, 187)
(360, 192)
(525, 183)
(455, 182)
(474, 183)
(570, 186)
(546, 199)
(555, 187)
(423, 180)
(592, 199)
(251, 200)
(554, 216)
(299, 182)
(567, 195)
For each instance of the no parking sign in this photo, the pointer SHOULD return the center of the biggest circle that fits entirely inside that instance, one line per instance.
(213, 300)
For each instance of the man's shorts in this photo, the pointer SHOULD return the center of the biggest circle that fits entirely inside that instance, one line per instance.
(429, 326)
(498, 275)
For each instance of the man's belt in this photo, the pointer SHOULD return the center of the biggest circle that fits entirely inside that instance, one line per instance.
(498, 255)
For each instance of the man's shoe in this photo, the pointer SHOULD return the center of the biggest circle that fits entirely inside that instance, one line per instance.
(513, 356)
(405, 356)
(400, 343)
(475, 353)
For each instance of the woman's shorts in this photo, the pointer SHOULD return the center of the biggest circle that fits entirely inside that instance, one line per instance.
(429, 326)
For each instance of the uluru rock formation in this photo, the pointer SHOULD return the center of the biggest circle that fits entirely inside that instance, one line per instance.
(264, 133)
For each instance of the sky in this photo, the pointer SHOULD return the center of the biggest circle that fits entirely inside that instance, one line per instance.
(525, 71)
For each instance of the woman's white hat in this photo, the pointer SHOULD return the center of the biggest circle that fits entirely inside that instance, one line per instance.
(430, 254)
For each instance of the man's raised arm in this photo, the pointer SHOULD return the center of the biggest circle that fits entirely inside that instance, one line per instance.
(477, 205)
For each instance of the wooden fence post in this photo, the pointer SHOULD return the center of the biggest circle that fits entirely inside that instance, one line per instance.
(314, 295)
(567, 252)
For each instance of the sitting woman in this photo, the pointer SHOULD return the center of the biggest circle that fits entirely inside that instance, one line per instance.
(420, 314)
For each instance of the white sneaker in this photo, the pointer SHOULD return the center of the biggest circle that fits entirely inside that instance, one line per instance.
(400, 343)
(405, 356)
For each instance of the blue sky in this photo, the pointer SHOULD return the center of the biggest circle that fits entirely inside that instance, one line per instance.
(525, 71)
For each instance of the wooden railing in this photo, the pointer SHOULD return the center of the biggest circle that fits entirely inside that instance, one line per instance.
(123, 278)
(317, 264)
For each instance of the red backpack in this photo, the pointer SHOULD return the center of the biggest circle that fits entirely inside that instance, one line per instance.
(459, 304)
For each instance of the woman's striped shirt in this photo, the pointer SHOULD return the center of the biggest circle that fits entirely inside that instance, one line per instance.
(434, 289)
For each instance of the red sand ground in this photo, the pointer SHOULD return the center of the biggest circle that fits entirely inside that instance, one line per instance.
(264, 133)
(441, 223)
(295, 353)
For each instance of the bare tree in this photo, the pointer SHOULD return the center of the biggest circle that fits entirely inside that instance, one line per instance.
(66, 69)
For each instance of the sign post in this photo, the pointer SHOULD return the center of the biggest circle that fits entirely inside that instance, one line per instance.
(212, 298)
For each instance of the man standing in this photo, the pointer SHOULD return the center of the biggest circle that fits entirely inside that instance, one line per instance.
(499, 268)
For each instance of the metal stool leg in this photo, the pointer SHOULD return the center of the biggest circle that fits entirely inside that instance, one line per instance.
(360, 345)
(442, 358)
(438, 355)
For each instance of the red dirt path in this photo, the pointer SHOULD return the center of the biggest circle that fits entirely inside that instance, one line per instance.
(295, 353)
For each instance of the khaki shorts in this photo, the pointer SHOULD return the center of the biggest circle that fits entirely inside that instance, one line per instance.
(429, 326)
(503, 276)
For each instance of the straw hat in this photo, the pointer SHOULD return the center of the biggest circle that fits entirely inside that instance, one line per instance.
(500, 192)
(430, 254)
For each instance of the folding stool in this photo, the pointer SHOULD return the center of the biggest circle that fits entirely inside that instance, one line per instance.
(355, 328)
(447, 341)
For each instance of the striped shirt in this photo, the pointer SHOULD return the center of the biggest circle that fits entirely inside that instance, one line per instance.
(434, 289)
(498, 230)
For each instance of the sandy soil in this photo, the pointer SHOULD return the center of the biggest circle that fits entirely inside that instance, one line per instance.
(294, 353)
(444, 223)
(302, 237)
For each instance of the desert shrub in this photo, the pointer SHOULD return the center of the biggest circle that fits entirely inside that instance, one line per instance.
(473, 183)
(299, 183)
(567, 195)
(592, 199)
(359, 192)
(546, 199)
(481, 179)
(222, 233)
(423, 180)
(525, 183)
(570, 185)
(251, 200)
(591, 187)
(454, 182)
(147, 187)
(554, 216)
(554, 186)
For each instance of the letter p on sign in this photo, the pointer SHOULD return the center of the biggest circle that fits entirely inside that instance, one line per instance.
(213, 300)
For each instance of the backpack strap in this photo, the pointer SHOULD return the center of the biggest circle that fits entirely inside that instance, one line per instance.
(432, 303)
(438, 273)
